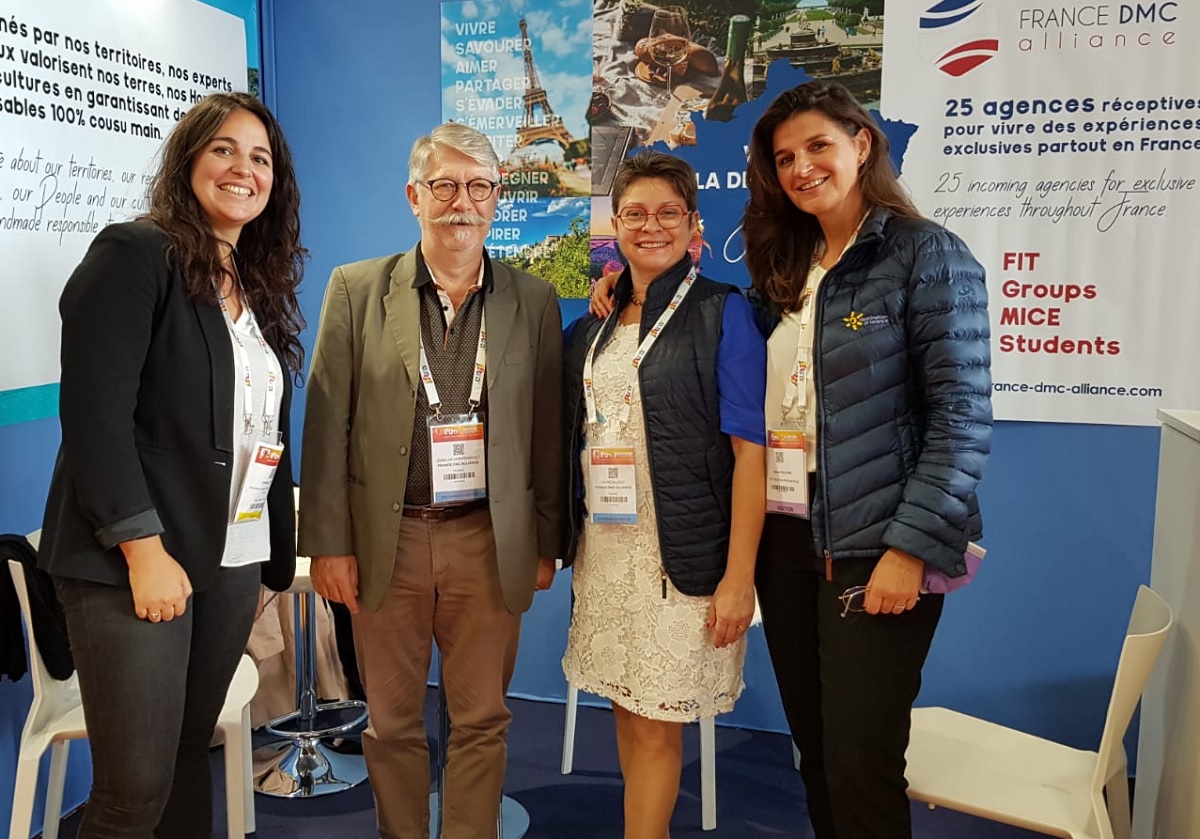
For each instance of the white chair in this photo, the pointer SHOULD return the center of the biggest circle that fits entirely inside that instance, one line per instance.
(1009, 776)
(56, 717)
(708, 758)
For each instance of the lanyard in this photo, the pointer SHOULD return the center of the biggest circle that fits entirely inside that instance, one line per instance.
(431, 391)
(269, 407)
(795, 394)
(589, 393)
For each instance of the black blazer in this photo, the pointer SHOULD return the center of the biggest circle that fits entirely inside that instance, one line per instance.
(146, 406)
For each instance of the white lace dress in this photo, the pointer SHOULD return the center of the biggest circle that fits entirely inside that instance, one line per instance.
(649, 654)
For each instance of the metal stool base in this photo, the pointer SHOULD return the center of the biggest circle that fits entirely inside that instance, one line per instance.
(514, 818)
(331, 719)
(307, 768)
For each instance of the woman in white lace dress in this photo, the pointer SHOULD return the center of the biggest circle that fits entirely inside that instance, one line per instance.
(665, 419)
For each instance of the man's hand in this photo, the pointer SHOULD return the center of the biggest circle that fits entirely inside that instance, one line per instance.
(336, 578)
(545, 573)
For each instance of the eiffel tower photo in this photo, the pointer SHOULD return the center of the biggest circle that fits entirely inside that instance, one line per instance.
(544, 126)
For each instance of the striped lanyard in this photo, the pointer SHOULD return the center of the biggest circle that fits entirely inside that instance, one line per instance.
(431, 391)
(589, 393)
(273, 370)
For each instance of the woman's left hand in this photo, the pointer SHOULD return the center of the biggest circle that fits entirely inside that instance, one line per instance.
(895, 585)
(730, 612)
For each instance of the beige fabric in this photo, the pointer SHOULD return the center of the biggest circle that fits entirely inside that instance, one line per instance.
(272, 646)
(634, 638)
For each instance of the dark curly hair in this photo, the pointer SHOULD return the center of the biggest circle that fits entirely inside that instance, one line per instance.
(781, 238)
(270, 259)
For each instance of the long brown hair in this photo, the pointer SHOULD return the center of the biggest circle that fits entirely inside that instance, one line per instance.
(270, 259)
(780, 238)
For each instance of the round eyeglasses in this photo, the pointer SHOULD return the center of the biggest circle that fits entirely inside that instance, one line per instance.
(478, 189)
(669, 217)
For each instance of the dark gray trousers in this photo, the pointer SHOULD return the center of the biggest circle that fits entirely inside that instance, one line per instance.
(151, 695)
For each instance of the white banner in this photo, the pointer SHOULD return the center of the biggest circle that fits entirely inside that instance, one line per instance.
(1062, 142)
(88, 91)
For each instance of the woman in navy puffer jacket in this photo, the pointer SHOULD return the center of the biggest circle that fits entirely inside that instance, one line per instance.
(879, 423)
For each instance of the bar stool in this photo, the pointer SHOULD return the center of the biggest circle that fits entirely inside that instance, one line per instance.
(307, 766)
(512, 822)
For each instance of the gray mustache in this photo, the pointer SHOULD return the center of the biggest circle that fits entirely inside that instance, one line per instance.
(461, 218)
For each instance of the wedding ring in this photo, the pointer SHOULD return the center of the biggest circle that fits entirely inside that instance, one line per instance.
(154, 616)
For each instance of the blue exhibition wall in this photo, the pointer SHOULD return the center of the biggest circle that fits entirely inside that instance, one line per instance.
(1069, 508)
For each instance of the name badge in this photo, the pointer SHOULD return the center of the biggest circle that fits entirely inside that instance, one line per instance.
(612, 485)
(787, 473)
(256, 485)
(458, 469)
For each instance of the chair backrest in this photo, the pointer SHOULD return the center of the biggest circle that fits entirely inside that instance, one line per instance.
(50, 696)
(1148, 627)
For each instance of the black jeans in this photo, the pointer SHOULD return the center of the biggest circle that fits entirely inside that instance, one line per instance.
(151, 695)
(847, 684)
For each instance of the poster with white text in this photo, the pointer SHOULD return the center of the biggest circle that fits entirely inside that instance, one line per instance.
(88, 92)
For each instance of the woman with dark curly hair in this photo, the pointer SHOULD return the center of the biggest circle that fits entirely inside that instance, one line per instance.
(171, 498)
(879, 422)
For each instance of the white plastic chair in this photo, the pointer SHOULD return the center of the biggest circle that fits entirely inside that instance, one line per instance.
(56, 717)
(708, 758)
(1009, 776)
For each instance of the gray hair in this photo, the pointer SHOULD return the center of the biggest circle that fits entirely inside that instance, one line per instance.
(453, 136)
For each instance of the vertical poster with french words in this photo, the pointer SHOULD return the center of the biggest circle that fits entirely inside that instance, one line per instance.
(90, 91)
(1060, 141)
(520, 73)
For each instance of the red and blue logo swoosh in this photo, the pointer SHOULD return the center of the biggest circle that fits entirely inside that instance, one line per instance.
(948, 13)
(966, 57)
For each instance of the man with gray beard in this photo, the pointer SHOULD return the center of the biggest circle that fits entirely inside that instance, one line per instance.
(423, 505)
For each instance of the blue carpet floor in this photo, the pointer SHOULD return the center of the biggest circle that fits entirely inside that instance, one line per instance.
(759, 794)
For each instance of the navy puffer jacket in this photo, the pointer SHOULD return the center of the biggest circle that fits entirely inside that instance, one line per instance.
(903, 381)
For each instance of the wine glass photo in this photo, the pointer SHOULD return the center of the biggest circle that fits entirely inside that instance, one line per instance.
(670, 38)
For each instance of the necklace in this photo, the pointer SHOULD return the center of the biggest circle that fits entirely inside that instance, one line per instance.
(637, 301)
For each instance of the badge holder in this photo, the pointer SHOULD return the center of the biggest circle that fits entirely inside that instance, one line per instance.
(612, 485)
(265, 455)
(787, 473)
(457, 457)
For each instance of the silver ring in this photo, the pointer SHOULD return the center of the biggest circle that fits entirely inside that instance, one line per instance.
(899, 607)
(154, 616)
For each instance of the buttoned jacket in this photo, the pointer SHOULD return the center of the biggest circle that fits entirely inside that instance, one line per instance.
(361, 410)
(146, 404)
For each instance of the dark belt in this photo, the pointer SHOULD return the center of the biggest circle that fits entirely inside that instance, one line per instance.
(454, 511)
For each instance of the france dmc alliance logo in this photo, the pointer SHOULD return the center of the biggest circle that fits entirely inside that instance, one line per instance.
(964, 57)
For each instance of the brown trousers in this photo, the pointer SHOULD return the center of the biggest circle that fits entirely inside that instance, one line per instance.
(445, 587)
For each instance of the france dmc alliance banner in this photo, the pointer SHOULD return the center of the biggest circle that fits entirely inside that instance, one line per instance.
(1061, 141)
